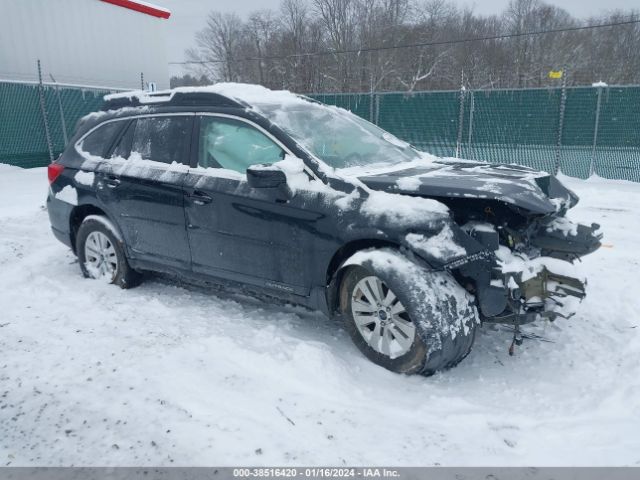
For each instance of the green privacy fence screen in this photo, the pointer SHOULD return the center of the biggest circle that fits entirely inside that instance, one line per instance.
(23, 139)
(580, 130)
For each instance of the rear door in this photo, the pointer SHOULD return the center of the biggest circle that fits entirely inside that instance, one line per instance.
(141, 184)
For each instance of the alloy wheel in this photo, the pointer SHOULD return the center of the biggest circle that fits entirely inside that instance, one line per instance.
(381, 318)
(100, 256)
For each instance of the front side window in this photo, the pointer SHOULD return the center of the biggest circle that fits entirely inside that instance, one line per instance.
(234, 145)
(98, 142)
(161, 139)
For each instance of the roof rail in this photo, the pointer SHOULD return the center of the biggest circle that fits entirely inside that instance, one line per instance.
(169, 98)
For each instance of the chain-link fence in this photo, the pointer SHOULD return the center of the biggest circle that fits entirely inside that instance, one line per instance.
(577, 130)
(36, 120)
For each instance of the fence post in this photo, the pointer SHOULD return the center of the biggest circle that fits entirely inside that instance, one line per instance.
(460, 116)
(563, 101)
(141, 80)
(62, 120)
(43, 109)
(472, 108)
(372, 97)
(371, 88)
(377, 110)
(595, 133)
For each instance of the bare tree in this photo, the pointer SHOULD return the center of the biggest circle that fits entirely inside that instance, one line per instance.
(219, 44)
(351, 46)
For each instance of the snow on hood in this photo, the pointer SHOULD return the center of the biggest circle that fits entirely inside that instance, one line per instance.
(449, 178)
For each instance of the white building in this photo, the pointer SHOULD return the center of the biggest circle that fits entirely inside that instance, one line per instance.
(105, 43)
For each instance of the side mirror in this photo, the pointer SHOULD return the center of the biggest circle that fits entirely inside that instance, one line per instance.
(266, 176)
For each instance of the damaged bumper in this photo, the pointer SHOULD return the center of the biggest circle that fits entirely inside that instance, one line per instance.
(528, 281)
(547, 295)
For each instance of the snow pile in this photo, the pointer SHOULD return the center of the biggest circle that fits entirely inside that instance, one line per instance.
(564, 225)
(174, 376)
(441, 245)
(298, 179)
(68, 194)
(408, 183)
(84, 178)
(402, 210)
(135, 166)
(520, 263)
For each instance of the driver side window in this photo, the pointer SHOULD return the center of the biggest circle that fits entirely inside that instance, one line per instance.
(234, 145)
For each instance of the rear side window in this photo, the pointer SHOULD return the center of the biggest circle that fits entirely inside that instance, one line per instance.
(99, 141)
(123, 148)
(162, 139)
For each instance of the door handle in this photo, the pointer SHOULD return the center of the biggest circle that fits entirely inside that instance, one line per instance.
(111, 181)
(200, 198)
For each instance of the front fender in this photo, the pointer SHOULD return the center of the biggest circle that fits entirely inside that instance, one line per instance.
(449, 244)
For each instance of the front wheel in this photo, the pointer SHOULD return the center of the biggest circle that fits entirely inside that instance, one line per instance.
(404, 317)
(101, 254)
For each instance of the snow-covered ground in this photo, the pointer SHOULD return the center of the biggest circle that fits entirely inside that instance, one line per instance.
(167, 375)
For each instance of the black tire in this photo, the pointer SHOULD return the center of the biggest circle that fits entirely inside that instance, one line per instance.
(123, 276)
(443, 313)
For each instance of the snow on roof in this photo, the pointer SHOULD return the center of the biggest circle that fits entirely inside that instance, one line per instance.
(244, 92)
(250, 94)
(142, 7)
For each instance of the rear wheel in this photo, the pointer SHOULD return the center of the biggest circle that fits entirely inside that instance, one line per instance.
(101, 254)
(404, 317)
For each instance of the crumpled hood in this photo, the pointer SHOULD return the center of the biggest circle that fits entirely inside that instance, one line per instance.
(534, 191)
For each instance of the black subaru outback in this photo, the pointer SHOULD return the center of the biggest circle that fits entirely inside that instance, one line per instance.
(290, 198)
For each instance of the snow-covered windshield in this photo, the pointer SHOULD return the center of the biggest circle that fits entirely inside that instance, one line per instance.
(336, 136)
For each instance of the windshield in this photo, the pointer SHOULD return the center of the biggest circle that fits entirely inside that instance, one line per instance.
(336, 136)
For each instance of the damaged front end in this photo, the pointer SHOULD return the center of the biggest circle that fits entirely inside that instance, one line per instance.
(522, 273)
(530, 273)
(510, 243)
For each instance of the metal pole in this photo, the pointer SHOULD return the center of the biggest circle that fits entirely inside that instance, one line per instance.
(563, 101)
(371, 94)
(377, 117)
(43, 109)
(472, 108)
(371, 105)
(62, 120)
(595, 134)
(460, 116)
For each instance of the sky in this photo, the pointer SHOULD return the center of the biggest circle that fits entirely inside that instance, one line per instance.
(189, 16)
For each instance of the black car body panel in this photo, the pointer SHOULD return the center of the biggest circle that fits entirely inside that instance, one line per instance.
(289, 243)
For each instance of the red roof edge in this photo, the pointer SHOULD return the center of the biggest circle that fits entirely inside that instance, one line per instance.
(141, 7)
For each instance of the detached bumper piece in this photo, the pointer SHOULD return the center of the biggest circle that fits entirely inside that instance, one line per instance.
(551, 295)
(547, 295)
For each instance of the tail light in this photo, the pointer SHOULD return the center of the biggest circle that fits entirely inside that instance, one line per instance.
(53, 171)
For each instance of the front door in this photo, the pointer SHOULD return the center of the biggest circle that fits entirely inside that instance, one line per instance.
(235, 231)
(141, 184)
